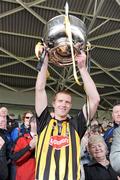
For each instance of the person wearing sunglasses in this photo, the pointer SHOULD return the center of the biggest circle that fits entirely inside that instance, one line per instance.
(24, 128)
(14, 134)
(24, 153)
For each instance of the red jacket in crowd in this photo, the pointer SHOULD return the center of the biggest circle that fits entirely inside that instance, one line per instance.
(24, 158)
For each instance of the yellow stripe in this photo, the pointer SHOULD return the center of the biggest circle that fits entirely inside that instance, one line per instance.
(62, 161)
(53, 164)
(38, 148)
(78, 154)
(45, 150)
(64, 129)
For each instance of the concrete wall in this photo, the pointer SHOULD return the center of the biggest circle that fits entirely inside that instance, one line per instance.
(19, 102)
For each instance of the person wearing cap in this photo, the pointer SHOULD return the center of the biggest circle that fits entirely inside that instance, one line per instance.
(100, 168)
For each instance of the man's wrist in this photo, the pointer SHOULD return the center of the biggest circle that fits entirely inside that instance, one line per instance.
(83, 69)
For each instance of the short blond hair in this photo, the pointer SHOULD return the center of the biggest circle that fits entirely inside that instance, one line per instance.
(94, 139)
(61, 92)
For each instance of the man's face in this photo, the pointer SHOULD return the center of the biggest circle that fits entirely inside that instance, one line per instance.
(62, 105)
(116, 114)
(3, 122)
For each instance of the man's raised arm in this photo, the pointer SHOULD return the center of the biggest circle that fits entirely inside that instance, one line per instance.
(89, 85)
(40, 93)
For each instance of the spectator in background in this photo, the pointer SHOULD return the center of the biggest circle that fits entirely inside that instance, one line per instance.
(100, 168)
(110, 124)
(12, 116)
(7, 135)
(24, 128)
(13, 129)
(104, 125)
(94, 130)
(12, 133)
(85, 156)
(108, 135)
(12, 122)
(3, 150)
(115, 150)
(24, 153)
(3, 112)
(4, 115)
(15, 133)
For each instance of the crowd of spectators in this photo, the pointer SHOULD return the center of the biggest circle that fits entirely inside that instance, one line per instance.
(18, 142)
(17, 146)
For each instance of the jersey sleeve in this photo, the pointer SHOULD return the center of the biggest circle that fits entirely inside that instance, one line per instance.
(79, 123)
(42, 120)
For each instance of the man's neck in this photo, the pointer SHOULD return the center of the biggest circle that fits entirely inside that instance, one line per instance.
(60, 118)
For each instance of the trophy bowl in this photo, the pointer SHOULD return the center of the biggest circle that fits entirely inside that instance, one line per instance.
(56, 39)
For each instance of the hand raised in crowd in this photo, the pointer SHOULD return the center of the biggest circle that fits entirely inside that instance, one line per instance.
(1, 142)
(33, 142)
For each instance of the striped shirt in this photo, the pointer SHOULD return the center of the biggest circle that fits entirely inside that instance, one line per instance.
(58, 147)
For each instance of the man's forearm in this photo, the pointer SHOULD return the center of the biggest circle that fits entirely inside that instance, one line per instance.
(40, 93)
(91, 91)
(89, 85)
(41, 78)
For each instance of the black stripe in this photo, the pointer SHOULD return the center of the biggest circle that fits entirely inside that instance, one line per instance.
(67, 159)
(57, 159)
(74, 152)
(47, 166)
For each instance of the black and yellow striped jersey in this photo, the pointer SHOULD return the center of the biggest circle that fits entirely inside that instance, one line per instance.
(58, 147)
